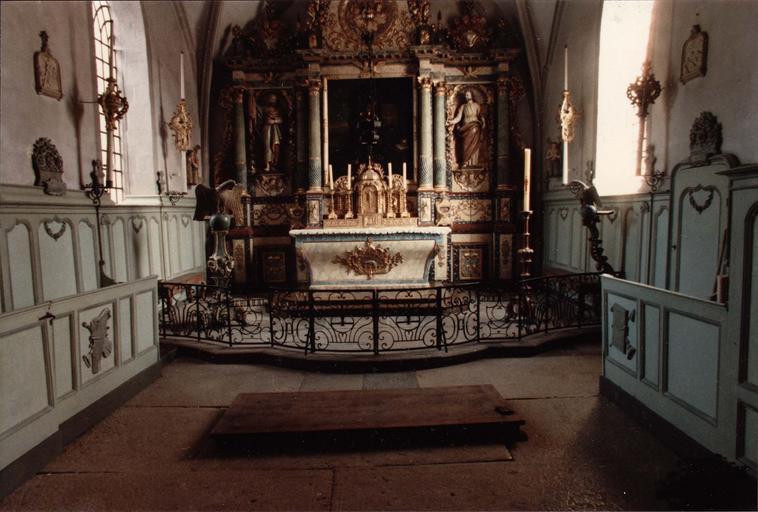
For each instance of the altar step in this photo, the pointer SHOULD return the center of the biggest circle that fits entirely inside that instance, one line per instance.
(386, 361)
(467, 414)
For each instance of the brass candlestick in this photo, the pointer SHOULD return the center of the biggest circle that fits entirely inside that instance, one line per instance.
(332, 213)
(526, 253)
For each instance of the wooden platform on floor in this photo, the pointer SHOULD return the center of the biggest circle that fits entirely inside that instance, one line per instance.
(444, 409)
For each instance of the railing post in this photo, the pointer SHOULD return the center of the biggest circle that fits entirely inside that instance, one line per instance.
(271, 316)
(438, 308)
(478, 315)
(311, 325)
(580, 293)
(228, 304)
(375, 319)
(521, 307)
(163, 292)
(197, 309)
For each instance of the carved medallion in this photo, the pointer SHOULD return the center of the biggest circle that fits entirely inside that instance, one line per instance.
(369, 260)
(705, 137)
(351, 21)
(48, 167)
(709, 190)
(100, 345)
(694, 55)
(271, 184)
(47, 71)
(470, 32)
(470, 261)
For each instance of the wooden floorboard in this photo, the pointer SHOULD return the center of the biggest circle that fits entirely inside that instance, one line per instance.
(379, 409)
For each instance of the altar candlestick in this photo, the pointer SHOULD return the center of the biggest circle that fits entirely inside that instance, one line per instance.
(181, 73)
(565, 68)
(527, 172)
(349, 175)
(331, 177)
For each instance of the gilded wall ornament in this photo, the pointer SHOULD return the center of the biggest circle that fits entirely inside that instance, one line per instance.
(100, 345)
(644, 91)
(48, 167)
(47, 71)
(694, 55)
(705, 137)
(181, 125)
(369, 260)
(553, 158)
(271, 184)
(193, 166)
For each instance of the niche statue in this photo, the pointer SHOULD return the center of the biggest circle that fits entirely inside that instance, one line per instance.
(470, 131)
(271, 120)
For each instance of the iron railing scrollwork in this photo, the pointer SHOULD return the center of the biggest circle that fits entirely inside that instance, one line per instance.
(375, 321)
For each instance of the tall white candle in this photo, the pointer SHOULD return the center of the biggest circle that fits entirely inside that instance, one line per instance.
(405, 175)
(349, 175)
(112, 56)
(181, 73)
(389, 174)
(527, 172)
(331, 177)
(565, 174)
(565, 68)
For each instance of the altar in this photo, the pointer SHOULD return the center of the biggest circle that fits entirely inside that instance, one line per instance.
(373, 257)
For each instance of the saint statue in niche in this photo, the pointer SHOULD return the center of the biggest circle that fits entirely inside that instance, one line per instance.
(271, 119)
(470, 130)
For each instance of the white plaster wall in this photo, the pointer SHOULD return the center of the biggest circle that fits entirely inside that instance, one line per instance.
(26, 116)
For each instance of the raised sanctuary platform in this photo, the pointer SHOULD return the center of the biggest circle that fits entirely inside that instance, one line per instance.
(468, 407)
(373, 257)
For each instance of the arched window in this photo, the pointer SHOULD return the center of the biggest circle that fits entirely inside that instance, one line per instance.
(104, 68)
(624, 46)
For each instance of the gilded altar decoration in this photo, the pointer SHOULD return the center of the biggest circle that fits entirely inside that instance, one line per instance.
(442, 207)
(48, 167)
(568, 116)
(181, 125)
(100, 345)
(694, 55)
(369, 260)
(47, 71)
(271, 184)
(469, 32)
(419, 12)
(705, 137)
(470, 264)
(350, 22)
(470, 179)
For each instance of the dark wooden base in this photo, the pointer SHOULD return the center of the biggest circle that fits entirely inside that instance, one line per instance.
(263, 416)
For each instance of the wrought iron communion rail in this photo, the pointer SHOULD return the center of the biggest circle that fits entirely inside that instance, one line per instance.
(380, 320)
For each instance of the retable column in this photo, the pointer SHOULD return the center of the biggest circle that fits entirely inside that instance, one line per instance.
(314, 197)
(503, 133)
(425, 179)
(302, 150)
(240, 154)
(440, 163)
(314, 136)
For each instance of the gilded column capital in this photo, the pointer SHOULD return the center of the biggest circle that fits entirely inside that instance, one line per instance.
(238, 94)
(314, 87)
(439, 87)
(502, 85)
(425, 83)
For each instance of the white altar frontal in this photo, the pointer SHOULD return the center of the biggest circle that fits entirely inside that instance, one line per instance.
(394, 257)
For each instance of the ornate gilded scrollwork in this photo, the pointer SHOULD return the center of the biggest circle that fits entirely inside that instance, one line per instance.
(181, 125)
(369, 260)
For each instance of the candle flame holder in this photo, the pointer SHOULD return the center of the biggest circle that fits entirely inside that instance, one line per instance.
(526, 253)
